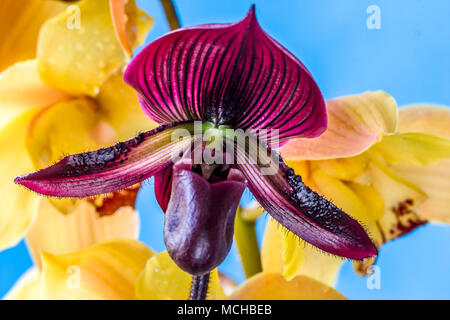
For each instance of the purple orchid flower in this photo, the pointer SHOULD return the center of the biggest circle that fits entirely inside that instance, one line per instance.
(226, 76)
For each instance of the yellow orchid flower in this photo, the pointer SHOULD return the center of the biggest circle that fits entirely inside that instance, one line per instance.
(69, 98)
(387, 167)
(127, 269)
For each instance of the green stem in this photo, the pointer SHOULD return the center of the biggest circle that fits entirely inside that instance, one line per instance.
(247, 244)
(171, 14)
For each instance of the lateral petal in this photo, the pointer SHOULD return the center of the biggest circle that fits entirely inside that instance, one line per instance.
(299, 209)
(113, 168)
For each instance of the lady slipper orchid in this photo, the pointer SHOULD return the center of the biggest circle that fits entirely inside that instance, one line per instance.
(216, 80)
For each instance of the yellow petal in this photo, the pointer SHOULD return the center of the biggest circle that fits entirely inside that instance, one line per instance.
(20, 21)
(107, 270)
(434, 180)
(67, 127)
(413, 148)
(374, 206)
(430, 119)
(28, 287)
(22, 89)
(341, 195)
(401, 199)
(78, 50)
(55, 233)
(272, 248)
(18, 205)
(354, 124)
(273, 286)
(119, 106)
(163, 280)
(344, 168)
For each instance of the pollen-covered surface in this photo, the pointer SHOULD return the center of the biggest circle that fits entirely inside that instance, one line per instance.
(109, 169)
(299, 209)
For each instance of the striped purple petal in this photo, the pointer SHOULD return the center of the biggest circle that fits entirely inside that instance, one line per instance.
(299, 209)
(110, 169)
(228, 74)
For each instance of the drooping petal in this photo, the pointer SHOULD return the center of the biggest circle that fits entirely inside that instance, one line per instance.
(78, 49)
(28, 287)
(21, 89)
(162, 279)
(231, 74)
(299, 209)
(56, 233)
(199, 221)
(119, 106)
(110, 169)
(108, 270)
(355, 123)
(20, 22)
(273, 286)
(18, 206)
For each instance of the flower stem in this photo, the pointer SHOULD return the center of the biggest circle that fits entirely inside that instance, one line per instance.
(171, 14)
(199, 287)
(247, 244)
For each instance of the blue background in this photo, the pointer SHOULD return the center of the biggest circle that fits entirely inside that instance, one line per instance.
(408, 57)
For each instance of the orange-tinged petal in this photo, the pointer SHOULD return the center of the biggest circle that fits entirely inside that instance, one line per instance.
(28, 287)
(108, 270)
(162, 279)
(77, 56)
(119, 21)
(55, 233)
(355, 123)
(130, 24)
(119, 106)
(20, 21)
(21, 89)
(19, 206)
(273, 286)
